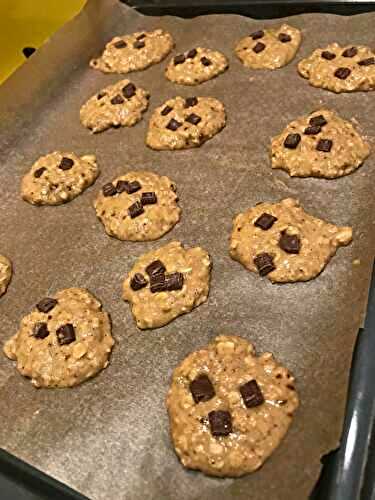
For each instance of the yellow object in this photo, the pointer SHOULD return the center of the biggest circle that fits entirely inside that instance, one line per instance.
(28, 23)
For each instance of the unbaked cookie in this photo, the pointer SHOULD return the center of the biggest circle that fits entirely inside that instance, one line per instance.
(196, 66)
(185, 123)
(283, 242)
(166, 283)
(228, 408)
(118, 105)
(319, 145)
(340, 69)
(64, 341)
(58, 178)
(5, 274)
(269, 48)
(138, 206)
(134, 52)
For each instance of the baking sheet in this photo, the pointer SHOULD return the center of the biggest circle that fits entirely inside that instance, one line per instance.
(109, 437)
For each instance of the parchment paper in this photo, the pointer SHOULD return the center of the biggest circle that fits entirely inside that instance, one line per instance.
(109, 437)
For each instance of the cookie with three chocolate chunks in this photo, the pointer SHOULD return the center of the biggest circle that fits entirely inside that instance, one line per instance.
(121, 104)
(138, 206)
(196, 66)
(340, 69)
(229, 408)
(5, 273)
(179, 281)
(64, 341)
(269, 48)
(297, 247)
(134, 52)
(322, 131)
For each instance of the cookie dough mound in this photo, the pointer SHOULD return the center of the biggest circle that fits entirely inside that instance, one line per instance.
(134, 52)
(228, 408)
(283, 242)
(58, 178)
(118, 105)
(185, 123)
(5, 274)
(269, 48)
(64, 341)
(340, 69)
(196, 66)
(319, 145)
(166, 283)
(138, 206)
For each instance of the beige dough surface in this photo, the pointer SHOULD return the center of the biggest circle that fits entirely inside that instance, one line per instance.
(321, 72)
(275, 54)
(153, 47)
(211, 115)
(45, 360)
(229, 362)
(47, 184)
(348, 150)
(5, 274)
(198, 68)
(152, 310)
(156, 220)
(319, 241)
(112, 108)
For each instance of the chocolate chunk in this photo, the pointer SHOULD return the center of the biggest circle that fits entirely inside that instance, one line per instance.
(292, 141)
(141, 36)
(117, 99)
(191, 54)
(251, 394)
(259, 47)
(318, 121)
(174, 281)
(139, 44)
(173, 125)
(101, 95)
(66, 334)
(193, 119)
(191, 101)
(324, 145)
(46, 305)
(257, 34)
(284, 38)
(350, 52)
(367, 62)
(326, 54)
(166, 111)
(157, 283)
(129, 90)
(342, 73)
(133, 187)
(120, 44)
(66, 163)
(220, 423)
(179, 59)
(205, 61)
(38, 173)
(122, 186)
(149, 198)
(312, 130)
(264, 263)
(155, 268)
(265, 221)
(135, 210)
(40, 331)
(138, 281)
(28, 51)
(109, 189)
(290, 243)
(202, 389)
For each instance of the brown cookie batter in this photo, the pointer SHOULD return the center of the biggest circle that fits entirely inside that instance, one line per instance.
(5, 274)
(166, 283)
(283, 242)
(64, 341)
(138, 206)
(228, 408)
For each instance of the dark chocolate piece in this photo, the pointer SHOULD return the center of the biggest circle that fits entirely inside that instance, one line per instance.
(290, 243)
(174, 281)
(165, 111)
(191, 54)
(264, 263)
(342, 73)
(318, 120)
(193, 119)
(205, 61)
(251, 394)
(117, 100)
(66, 334)
(179, 59)
(292, 141)
(351, 52)
(139, 44)
(136, 209)
(173, 125)
(38, 173)
(284, 38)
(259, 47)
(138, 281)
(109, 189)
(157, 283)
(120, 44)
(122, 186)
(40, 331)
(156, 267)
(191, 101)
(324, 145)
(257, 34)
(265, 221)
(326, 54)
(220, 423)
(46, 305)
(133, 187)
(129, 90)
(66, 163)
(149, 198)
(367, 62)
(312, 130)
(202, 389)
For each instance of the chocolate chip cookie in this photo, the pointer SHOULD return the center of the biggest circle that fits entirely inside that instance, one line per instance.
(166, 283)
(283, 242)
(5, 274)
(229, 408)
